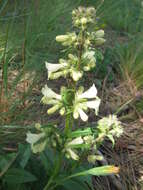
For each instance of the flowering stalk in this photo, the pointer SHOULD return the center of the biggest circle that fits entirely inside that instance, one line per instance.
(73, 102)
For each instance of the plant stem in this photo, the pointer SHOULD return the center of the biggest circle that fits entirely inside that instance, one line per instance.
(68, 123)
(80, 49)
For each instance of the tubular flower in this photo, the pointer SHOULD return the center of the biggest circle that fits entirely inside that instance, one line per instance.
(54, 67)
(52, 98)
(99, 34)
(67, 39)
(57, 70)
(81, 103)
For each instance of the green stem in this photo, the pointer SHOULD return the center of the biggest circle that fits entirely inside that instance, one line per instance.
(80, 50)
(68, 123)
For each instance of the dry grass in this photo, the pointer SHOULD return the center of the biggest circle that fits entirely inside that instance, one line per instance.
(128, 155)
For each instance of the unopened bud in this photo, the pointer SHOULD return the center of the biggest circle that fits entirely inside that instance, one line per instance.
(53, 109)
(38, 126)
(61, 38)
(83, 20)
(93, 158)
(99, 41)
(62, 111)
(99, 34)
(86, 68)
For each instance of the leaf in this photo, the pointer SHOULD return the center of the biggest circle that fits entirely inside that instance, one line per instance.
(46, 162)
(88, 180)
(81, 133)
(5, 162)
(18, 176)
(51, 155)
(98, 171)
(75, 184)
(25, 153)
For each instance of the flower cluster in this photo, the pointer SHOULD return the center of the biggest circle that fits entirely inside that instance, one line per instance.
(109, 126)
(83, 16)
(47, 136)
(82, 42)
(80, 103)
(71, 148)
(71, 66)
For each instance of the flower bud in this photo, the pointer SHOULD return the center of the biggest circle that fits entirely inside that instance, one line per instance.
(99, 34)
(38, 126)
(53, 109)
(56, 75)
(92, 158)
(75, 114)
(88, 139)
(86, 68)
(62, 111)
(61, 38)
(83, 20)
(77, 22)
(87, 42)
(99, 41)
(91, 11)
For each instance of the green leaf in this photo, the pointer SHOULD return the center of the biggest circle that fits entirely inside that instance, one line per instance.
(5, 162)
(81, 133)
(75, 184)
(46, 162)
(18, 176)
(25, 154)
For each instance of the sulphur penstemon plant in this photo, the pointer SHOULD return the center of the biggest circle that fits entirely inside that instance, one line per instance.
(74, 148)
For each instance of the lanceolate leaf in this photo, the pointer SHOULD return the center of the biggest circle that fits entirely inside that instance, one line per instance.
(78, 133)
(25, 154)
(5, 162)
(18, 176)
(75, 184)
